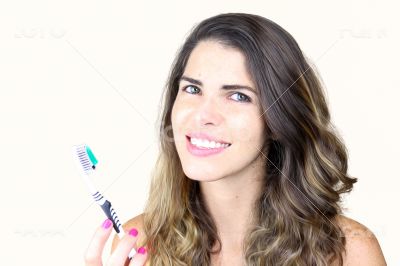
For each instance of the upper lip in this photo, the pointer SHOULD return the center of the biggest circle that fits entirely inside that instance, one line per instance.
(199, 135)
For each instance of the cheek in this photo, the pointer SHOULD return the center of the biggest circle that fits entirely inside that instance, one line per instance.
(246, 127)
(179, 115)
(175, 119)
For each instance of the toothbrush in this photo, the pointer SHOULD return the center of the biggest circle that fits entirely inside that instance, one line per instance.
(86, 162)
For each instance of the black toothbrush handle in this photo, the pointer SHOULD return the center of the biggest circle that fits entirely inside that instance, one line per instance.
(110, 213)
(108, 210)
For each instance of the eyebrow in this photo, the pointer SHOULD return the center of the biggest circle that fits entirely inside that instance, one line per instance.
(224, 87)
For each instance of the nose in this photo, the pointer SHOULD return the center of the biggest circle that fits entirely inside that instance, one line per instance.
(208, 112)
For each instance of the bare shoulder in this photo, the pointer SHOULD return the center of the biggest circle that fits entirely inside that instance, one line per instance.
(137, 223)
(362, 246)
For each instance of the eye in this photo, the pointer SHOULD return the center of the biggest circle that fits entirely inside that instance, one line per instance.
(242, 97)
(189, 86)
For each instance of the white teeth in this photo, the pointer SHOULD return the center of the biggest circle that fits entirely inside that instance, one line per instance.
(207, 144)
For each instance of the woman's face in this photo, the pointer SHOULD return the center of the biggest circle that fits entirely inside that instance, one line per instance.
(204, 109)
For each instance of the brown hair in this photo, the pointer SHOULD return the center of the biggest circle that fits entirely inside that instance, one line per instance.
(306, 159)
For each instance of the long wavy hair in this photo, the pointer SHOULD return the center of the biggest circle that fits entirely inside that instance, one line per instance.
(306, 169)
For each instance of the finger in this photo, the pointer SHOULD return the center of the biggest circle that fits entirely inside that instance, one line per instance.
(95, 249)
(140, 257)
(125, 245)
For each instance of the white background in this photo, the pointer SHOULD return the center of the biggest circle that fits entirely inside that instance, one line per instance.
(92, 72)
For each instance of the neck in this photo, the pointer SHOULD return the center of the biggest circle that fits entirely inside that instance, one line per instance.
(230, 201)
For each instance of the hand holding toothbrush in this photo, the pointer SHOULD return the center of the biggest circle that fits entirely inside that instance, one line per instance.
(86, 163)
(119, 256)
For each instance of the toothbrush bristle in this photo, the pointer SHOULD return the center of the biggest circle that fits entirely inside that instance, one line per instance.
(83, 159)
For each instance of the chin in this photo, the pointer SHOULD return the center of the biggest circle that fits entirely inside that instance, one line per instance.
(196, 174)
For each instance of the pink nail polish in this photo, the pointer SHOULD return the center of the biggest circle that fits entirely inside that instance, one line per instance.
(107, 223)
(133, 232)
(141, 250)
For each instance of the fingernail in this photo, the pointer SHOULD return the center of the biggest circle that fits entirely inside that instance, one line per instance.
(133, 232)
(141, 250)
(107, 223)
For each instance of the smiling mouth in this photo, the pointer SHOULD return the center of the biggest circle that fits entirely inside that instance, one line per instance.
(223, 144)
(202, 148)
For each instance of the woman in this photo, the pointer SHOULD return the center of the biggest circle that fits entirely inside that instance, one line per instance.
(250, 169)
